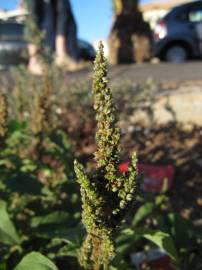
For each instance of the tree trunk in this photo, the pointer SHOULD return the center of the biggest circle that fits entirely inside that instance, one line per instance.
(129, 40)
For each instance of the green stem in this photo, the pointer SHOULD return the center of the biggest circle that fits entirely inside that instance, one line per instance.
(106, 266)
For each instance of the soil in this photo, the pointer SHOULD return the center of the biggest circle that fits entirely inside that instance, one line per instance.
(175, 144)
(172, 144)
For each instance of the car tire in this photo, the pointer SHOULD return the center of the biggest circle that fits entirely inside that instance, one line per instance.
(176, 54)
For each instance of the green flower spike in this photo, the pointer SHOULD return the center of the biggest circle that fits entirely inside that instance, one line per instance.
(106, 195)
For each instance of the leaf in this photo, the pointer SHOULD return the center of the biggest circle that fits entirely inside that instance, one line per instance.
(35, 261)
(8, 234)
(24, 183)
(61, 139)
(162, 240)
(119, 263)
(71, 248)
(180, 230)
(73, 241)
(2, 266)
(126, 241)
(16, 126)
(53, 218)
(142, 212)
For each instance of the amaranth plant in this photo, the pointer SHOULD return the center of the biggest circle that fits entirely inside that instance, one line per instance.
(106, 194)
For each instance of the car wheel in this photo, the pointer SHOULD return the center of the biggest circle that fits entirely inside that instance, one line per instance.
(176, 54)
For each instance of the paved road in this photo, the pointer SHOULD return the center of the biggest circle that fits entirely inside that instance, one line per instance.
(162, 72)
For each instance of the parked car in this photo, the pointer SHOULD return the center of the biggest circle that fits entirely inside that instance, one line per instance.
(178, 36)
(13, 46)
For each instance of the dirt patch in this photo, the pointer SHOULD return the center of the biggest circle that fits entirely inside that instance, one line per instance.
(171, 144)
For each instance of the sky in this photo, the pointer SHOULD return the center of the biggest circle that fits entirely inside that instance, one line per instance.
(94, 17)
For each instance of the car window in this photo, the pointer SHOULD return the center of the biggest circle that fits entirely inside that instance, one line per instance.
(11, 30)
(195, 14)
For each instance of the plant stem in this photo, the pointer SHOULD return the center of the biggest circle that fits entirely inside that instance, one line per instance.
(97, 267)
(106, 266)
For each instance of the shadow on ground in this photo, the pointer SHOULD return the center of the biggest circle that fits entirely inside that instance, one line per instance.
(182, 148)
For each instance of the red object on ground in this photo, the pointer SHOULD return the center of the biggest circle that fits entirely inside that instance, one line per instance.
(156, 178)
(157, 259)
(162, 263)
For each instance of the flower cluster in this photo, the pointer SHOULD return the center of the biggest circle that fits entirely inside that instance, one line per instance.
(41, 114)
(42, 106)
(106, 194)
(3, 118)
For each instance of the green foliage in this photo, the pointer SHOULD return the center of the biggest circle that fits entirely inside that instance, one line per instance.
(106, 195)
(8, 234)
(34, 183)
(161, 239)
(35, 261)
(143, 212)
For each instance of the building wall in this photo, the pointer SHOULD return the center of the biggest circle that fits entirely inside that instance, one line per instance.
(152, 16)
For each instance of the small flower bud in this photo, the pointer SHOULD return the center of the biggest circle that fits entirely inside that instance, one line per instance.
(129, 197)
(122, 204)
(114, 189)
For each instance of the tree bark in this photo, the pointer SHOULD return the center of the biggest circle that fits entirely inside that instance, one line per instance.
(129, 40)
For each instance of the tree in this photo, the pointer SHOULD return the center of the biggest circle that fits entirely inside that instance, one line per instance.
(129, 39)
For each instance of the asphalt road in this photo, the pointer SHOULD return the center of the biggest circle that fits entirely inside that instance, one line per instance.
(161, 72)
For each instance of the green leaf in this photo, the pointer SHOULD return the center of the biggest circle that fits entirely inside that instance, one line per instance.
(142, 212)
(52, 218)
(2, 266)
(24, 183)
(35, 261)
(119, 263)
(112, 268)
(71, 248)
(162, 240)
(180, 229)
(8, 234)
(126, 241)
(16, 126)
(61, 139)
